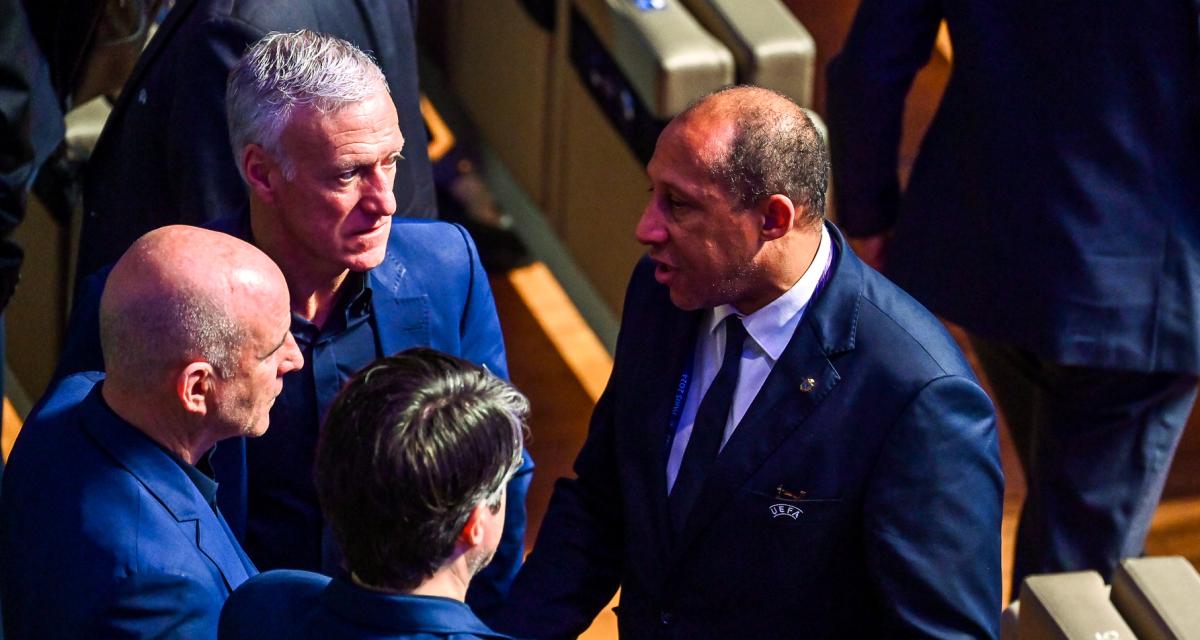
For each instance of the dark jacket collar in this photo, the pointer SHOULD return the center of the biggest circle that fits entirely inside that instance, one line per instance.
(833, 315)
(146, 460)
(401, 613)
(164, 479)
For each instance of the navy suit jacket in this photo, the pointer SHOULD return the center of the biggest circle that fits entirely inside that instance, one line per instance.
(430, 290)
(1054, 201)
(31, 128)
(282, 605)
(164, 156)
(860, 497)
(103, 535)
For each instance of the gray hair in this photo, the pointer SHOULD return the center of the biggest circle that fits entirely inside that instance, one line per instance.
(143, 338)
(775, 148)
(286, 71)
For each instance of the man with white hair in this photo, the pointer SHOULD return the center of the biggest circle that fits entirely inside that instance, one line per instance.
(109, 525)
(318, 143)
(163, 157)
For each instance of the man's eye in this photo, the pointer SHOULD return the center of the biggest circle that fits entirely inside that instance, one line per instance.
(347, 176)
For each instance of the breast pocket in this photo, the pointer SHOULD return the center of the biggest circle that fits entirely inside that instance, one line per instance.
(779, 511)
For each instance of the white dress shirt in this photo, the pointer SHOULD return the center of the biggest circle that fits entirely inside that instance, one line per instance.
(768, 332)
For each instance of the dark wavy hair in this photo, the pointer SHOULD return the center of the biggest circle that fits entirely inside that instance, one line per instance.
(410, 447)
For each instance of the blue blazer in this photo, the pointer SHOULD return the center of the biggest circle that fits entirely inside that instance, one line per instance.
(298, 604)
(103, 535)
(1053, 205)
(430, 290)
(860, 497)
(164, 155)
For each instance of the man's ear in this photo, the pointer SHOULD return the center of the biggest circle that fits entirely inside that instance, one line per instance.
(779, 214)
(258, 166)
(193, 387)
(472, 533)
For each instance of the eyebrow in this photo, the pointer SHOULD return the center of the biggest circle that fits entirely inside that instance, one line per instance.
(350, 165)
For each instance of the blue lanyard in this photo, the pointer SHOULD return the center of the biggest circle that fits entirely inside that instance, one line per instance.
(681, 390)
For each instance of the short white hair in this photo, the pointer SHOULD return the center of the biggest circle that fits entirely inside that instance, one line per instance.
(284, 71)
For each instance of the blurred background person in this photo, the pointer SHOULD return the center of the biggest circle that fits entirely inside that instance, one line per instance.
(1051, 212)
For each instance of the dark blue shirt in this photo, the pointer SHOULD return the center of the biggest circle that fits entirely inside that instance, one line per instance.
(284, 527)
(201, 475)
(305, 605)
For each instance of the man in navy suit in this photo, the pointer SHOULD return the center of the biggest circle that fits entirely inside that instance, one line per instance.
(109, 525)
(164, 154)
(411, 469)
(1052, 213)
(789, 445)
(320, 146)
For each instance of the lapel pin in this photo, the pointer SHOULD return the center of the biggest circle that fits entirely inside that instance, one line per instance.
(807, 385)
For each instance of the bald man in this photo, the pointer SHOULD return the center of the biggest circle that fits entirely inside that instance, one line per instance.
(789, 446)
(108, 524)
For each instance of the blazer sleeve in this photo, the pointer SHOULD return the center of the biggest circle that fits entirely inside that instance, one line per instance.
(889, 41)
(479, 328)
(577, 563)
(482, 342)
(157, 605)
(203, 176)
(575, 566)
(932, 516)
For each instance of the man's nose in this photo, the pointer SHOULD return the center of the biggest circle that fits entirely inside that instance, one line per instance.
(650, 230)
(294, 360)
(377, 196)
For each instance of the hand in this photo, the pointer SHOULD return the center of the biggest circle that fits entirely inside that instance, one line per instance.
(872, 249)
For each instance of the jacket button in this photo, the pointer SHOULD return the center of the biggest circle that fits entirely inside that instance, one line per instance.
(666, 618)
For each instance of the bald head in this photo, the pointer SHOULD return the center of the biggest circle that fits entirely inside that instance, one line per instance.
(182, 294)
(769, 146)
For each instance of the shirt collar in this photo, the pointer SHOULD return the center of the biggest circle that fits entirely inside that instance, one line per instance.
(403, 613)
(772, 326)
(200, 474)
(358, 296)
(353, 306)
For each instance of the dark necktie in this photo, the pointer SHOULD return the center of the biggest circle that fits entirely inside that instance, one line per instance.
(709, 427)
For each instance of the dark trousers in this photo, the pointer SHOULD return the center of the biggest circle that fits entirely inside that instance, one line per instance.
(1095, 445)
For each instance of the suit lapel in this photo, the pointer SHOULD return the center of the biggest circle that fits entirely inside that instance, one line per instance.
(401, 316)
(163, 478)
(215, 540)
(799, 382)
